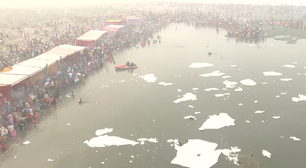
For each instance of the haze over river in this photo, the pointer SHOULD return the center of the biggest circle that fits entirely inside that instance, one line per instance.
(261, 111)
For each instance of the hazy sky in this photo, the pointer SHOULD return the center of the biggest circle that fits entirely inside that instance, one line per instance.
(25, 3)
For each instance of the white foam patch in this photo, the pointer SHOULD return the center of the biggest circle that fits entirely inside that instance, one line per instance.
(104, 131)
(26, 142)
(186, 97)
(149, 78)
(179, 90)
(231, 154)
(284, 93)
(197, 112)
(190, 117)
(266, 153)
(248, 82)
(195, 89)
(256, 101)
(214, 73)
(240, 104)
(200, 65)
(50, 160)
(300, 98)
(229, 84)
(259, 112)
(165, 84)
(104, 141)
(247, 121)
(217, 122)
(239, 89)
(289, 66)
(190, 106)
(286, 79)
(68, 124)
(224, 77)
(264, 83)
(233, 65)
(210, 89)
(295, 138)
(276, 117)
(143, 140)
(198, 153)
(221, 95)
(272, 73)
(277, 96)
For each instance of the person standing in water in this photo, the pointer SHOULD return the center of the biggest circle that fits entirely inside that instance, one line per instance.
(72, 95)
(80, 101)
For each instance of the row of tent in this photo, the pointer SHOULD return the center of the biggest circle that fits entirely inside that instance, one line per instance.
(28, 71)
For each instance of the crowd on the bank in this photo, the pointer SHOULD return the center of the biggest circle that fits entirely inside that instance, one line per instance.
(239, 20)
(27, 102)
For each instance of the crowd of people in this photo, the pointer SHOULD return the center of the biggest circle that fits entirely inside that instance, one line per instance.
(241, 21)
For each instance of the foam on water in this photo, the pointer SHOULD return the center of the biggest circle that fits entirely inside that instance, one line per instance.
(248, 82)
(196, 153)
(286, 79)
(26, 142)
(165, 84)
(200, 65)
(289, 66)
(229, 84)
(190, 106)
(295, 138)
(272, 73)
(221, 95)
(197, 112)
(50, 160)
(186, 97)
(300, 98)
(214, 73)
(195, 89)
(231, 154)
(190, 117)
(247, 121)
(104, 131)
(266, 153)
(224, 77)
(179, 90)
(210, 89)
(259, 112)
(104, 141)
(143, 140)
(239, 89)
(217, 122)
(149, 78)
(276, 117)
(233, 65)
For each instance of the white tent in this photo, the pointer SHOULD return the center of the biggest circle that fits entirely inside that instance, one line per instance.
(55, 57)
(23, 70)
(10, 79)
(39, 63)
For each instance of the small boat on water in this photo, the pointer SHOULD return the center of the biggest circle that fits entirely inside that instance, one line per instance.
(123, 67)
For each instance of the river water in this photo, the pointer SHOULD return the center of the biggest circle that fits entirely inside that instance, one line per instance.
(135, 108)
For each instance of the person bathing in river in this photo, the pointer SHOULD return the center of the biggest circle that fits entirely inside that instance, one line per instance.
(72, 95)
(80, 101)
(132, 64)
